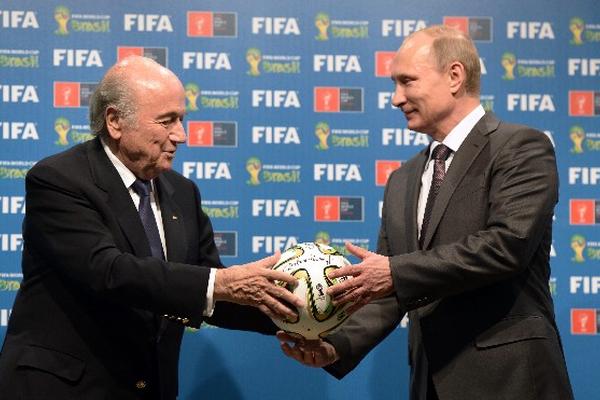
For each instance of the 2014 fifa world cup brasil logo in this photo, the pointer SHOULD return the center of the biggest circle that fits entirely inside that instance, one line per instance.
(577, 136)
(509, 61)
(322, 237)
(192, 91)
(62, 126)
(253, 166)
(322, 133)
(253, 57)
(576, 26)
(62, 15)
(322, 24)
(578, 245)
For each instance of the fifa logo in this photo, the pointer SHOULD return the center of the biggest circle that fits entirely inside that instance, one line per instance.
(322, 23)
(253, 57)
(253, 166)
(577, 136)
(62, 126)
(578, 245)
(322, 133)
(192, 91)
(62, 15)
(323, 237)
(509, 61)
(576, 26)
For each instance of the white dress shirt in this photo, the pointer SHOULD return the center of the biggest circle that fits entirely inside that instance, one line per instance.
(128, 178)
(453, 140)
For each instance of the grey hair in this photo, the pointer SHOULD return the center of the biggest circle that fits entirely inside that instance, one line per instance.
(113, 91)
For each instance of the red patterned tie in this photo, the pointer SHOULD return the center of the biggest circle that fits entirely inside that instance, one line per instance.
(439, 155)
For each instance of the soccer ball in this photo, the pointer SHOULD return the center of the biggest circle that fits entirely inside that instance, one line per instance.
(310, 263)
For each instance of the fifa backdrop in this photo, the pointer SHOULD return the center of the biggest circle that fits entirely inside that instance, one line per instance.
(291, 138)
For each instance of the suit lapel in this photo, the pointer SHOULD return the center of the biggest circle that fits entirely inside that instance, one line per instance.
(413, 189)
(464, 157)
(118, 198)
(172, 221)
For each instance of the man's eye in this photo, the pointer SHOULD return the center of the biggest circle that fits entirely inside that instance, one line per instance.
(165, 122)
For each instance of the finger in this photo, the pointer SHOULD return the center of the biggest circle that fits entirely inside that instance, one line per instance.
(342, 287)
(266, 310)
(321, 359)
(269, 261)
(280, 310)
(349, 270)
(308, 358)
(285, 296)
(279, 276)
(353, 295)
(292, 352)
(283, 336)
(357, 251)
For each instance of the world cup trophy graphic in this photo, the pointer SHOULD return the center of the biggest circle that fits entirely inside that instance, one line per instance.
(253, 166)
(577, 136)
(253, 57)
(62, 126)
(322, 24)
(62, 16)
(322, 133)
(192, 91)
(509, 61)
(322, 237)
(578, 245)
(576, 26)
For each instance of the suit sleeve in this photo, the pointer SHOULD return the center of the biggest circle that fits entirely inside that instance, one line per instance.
(522, 193)
(369, 325)
(66, 232)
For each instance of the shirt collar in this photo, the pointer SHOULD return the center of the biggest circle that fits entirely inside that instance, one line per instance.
(125, 173)
(459, 133)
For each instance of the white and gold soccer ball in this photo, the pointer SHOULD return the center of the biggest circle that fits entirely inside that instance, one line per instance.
(310, 263)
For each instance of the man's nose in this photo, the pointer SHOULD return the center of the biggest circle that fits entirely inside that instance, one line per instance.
(398, 99)
(178, 133)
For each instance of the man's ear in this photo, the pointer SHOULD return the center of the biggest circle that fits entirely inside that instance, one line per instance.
(457, 76)
(114, 123)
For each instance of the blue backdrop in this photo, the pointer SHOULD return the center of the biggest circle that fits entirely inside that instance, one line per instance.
(292, 137)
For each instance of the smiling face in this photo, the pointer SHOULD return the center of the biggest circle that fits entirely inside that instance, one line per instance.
(146, 142)
(422, 91)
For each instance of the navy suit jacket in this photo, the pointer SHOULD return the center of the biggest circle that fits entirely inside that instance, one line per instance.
(96, 316)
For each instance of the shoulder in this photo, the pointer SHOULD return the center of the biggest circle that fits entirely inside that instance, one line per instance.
(514, 135)
(68, 163)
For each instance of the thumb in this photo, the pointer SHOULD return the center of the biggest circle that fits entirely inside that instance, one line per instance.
(357, 251)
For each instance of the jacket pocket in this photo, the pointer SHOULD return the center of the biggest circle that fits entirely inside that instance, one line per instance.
(514, 329)
(55, 362)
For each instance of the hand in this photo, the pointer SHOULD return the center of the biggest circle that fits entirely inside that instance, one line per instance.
(254, 284)
(314, 353)
(372, 279)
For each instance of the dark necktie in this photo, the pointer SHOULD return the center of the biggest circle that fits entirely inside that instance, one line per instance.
(439, 155)
(143, 189)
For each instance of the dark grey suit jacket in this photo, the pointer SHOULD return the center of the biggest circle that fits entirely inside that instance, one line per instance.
(88, 322)
(481, 316)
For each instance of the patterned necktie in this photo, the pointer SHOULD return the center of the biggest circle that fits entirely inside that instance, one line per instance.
(439, 155)
(143, 189)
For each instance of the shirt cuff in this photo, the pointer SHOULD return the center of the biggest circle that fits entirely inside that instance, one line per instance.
(210, 290)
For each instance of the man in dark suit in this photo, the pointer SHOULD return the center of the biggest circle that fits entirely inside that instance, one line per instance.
(463, 247)
(107, 291)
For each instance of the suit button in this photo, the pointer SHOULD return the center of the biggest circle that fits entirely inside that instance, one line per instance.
(141, 384)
